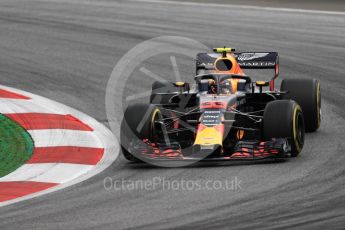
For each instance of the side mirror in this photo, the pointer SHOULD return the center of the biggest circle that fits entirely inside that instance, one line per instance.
(184, 86)
(261, 84)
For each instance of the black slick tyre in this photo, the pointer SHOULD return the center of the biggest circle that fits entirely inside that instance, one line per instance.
(137, 123)
(307, 93)
(284, 119)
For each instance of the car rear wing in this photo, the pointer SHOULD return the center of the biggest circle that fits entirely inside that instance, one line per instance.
(246, 60)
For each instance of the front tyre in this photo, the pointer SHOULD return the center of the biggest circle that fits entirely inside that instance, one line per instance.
(284, 119)
(138, 123)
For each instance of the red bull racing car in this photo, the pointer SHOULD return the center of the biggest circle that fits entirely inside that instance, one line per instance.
(224, 115)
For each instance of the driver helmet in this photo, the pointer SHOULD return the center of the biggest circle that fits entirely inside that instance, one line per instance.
(212, 85)
(226, 87)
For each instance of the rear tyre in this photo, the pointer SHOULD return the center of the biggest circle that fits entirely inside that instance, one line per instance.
(307, 93)
(137, 123)
(160, 92)
(164, 87)
(284, 119)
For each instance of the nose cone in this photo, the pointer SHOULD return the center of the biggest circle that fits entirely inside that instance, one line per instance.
(209, 136)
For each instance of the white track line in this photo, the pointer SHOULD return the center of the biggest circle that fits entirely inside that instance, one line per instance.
(247, 7)
(62, 137)
(24, 106)
(48, 172)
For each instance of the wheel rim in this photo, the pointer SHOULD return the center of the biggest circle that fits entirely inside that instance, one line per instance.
(155, 117)
(318, 96)
(300, 128)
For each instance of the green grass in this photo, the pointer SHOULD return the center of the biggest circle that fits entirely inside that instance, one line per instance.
(16, 145)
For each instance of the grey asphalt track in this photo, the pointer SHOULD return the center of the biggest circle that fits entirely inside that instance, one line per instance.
(66, 50)
(329, 5)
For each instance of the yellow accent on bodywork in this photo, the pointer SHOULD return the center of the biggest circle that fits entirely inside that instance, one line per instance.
(209, 136)
(179, 83)
(221, 50)
(262, 83)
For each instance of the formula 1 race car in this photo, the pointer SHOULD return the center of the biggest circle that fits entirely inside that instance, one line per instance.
(224, 115)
